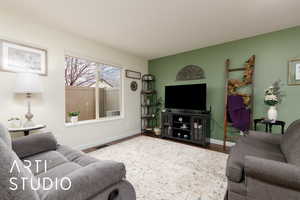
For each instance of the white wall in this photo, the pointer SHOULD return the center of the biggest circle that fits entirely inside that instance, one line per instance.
(49, 108)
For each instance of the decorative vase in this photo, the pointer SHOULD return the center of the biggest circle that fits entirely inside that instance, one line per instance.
(157, 131)
(74, 119)
(272, 114)
(148, 102)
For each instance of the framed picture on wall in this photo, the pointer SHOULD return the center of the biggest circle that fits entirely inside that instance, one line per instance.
(133, 74)
(16, 57)
(294, 72)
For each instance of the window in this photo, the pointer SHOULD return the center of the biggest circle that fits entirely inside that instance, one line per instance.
(92, 89)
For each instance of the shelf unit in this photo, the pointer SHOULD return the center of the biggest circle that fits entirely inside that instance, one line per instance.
(187, 127)
(148, 104)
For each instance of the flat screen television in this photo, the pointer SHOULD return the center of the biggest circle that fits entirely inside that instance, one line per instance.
(186, 97)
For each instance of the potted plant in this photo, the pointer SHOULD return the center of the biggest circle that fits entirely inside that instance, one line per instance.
(74, 116)
(158, 105)
(273, 97)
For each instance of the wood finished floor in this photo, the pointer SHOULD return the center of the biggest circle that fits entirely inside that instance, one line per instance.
(212, 147)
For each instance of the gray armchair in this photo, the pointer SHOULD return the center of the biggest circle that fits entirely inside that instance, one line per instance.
(90, 178)
(263, 166)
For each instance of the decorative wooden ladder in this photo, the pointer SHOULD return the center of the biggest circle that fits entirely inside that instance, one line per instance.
(231, 87)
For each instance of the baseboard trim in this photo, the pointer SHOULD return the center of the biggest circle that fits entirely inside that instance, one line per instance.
(106, 141)
(129, 135)
(220, 142)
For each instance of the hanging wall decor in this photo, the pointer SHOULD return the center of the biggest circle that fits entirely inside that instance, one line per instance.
(190, 72)
(133, 85)
(294, 72)
(17, 57)
(133, 74)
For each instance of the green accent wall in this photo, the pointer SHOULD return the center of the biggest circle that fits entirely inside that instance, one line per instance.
(272, 50)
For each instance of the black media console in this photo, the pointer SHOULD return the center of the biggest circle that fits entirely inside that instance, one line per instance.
(193, 127)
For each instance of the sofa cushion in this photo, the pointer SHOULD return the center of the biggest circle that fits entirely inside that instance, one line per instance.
(5, 136)
(266, 137)
(88, 181)
(69, 153)
(59, 171)
(262, 144)
(273, 172)
(252, 147)
(7, 171)
(76, 156)
(85, 160)
(82, 169)
(239, 188)
(236, 196)
(46, 161)
(290, 145)
(34, 144)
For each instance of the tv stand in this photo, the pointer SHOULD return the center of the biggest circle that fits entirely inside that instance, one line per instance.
(186, 126)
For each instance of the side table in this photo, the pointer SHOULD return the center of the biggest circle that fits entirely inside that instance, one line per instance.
(26, 130)
(268, 124)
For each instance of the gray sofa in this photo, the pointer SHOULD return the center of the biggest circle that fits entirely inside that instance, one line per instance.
(263, 166)
(91, 179)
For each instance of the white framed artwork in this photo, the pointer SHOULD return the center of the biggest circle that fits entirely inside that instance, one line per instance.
(297, 72)
(294, 72)
(22, 58)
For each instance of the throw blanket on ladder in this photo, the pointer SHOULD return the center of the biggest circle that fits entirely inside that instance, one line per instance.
(238, 112)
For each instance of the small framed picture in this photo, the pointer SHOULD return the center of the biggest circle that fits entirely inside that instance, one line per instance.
(297, 72)
(294, 72)
(133, 74)
(22, 58)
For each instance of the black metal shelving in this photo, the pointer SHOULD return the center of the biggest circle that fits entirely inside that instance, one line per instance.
(148, 104)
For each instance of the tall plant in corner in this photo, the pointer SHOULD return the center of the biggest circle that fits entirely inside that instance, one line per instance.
(273, 96)
(158, 106)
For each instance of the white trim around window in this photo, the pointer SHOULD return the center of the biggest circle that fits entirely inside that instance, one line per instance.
(121, 100)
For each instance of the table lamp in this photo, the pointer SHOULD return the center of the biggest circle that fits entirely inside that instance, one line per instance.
(28, 83)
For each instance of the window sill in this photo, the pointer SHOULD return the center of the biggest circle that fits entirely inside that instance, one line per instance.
(94, 121)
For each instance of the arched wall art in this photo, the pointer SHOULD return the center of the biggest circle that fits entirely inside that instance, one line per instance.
(190, 72)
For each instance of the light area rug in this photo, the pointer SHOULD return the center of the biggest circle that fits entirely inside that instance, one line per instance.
(166, 170)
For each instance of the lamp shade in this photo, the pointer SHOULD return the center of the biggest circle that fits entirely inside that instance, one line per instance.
(28, 83)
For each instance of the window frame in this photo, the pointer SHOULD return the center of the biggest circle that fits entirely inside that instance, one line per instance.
(121, 100)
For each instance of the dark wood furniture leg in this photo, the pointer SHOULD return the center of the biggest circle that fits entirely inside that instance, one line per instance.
(270, 128)
(255, 123)
(26, 133)
(282, 124)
